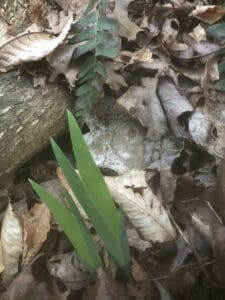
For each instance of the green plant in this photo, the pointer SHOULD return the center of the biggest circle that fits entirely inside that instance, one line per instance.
(93, 194)
(217, 32)
(95, 36)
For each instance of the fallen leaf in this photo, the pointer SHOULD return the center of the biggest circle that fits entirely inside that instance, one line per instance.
(60, 61)
(127, 28)
(143, 103)
(74, 6)
(36, 228)
(57, 20)
(35, 10)
(68, 269)
(141, 55)
(30, 47)
(11, 244)
(114, 80)
(40, 81)
(142, 207)
(5, 32)
(33, 282)
(105, 289)
(176, 106)
(198, 33)
(208, 13)
(136, 242)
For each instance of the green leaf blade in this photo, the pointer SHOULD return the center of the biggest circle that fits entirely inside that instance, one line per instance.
(74, 229)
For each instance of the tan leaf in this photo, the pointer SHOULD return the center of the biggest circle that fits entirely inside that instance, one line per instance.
(127, 28)
(208, 13)
(60, 63)
(35, 10)
(57, 20)
(65, 184)
(36, 228)
(1, 260)
(142, 55)
(142, 207)
(114, 80)
(75, 6)
(30, 47)
(11, 243)
(198, 34)
(5, 31)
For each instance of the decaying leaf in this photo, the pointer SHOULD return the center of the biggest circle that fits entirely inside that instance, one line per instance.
(142, 55)
(30, 47)
(198, 33)
(127, 28)
(68, 269)
(60, 63)
(5, 33)
(74, 6)
(36, 228)
(11, 244)
(33, 282)
(57, 20)
(208, 13)
(176, 106)
(35, 10)
(114, 80)
(141, 206)
(143, 103)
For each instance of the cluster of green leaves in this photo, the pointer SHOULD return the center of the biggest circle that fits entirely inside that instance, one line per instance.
(217, 32)
(92, 192)
(95, 36)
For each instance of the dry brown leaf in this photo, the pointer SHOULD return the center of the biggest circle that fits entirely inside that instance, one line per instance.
(208, 13)
(11, 244)
(30, 47)
(143, 103)
(198, 34)
(1, 260)
(35, 10)
(127, 28)
(114, 80)
(57, 20)
(4, 31)
(142, 207)
(75, 6)
(68, 269)
(139, 56)
(36, 228)
(169, 36)
(60, 62)
(176, 106)
(40, 81)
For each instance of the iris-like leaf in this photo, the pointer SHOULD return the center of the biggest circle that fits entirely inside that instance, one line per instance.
(73, 227)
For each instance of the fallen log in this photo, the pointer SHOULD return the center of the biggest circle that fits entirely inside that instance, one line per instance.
(27, 120)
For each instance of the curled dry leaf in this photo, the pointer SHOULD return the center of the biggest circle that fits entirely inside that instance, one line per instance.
(60, 63)
(36, 228)
(208, 13)
(127, 28)
(30, 47)
(176, 106)
(141, 55)
(142, 207)
(5, 34)
(114, 80)
(11, 244)
(198, 34)
(143, 103)
(74, 6)
(69, 270)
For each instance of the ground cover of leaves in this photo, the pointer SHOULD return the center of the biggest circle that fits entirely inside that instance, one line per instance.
(158, 136)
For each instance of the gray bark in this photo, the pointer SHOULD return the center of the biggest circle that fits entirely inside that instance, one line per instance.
(27, 120)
